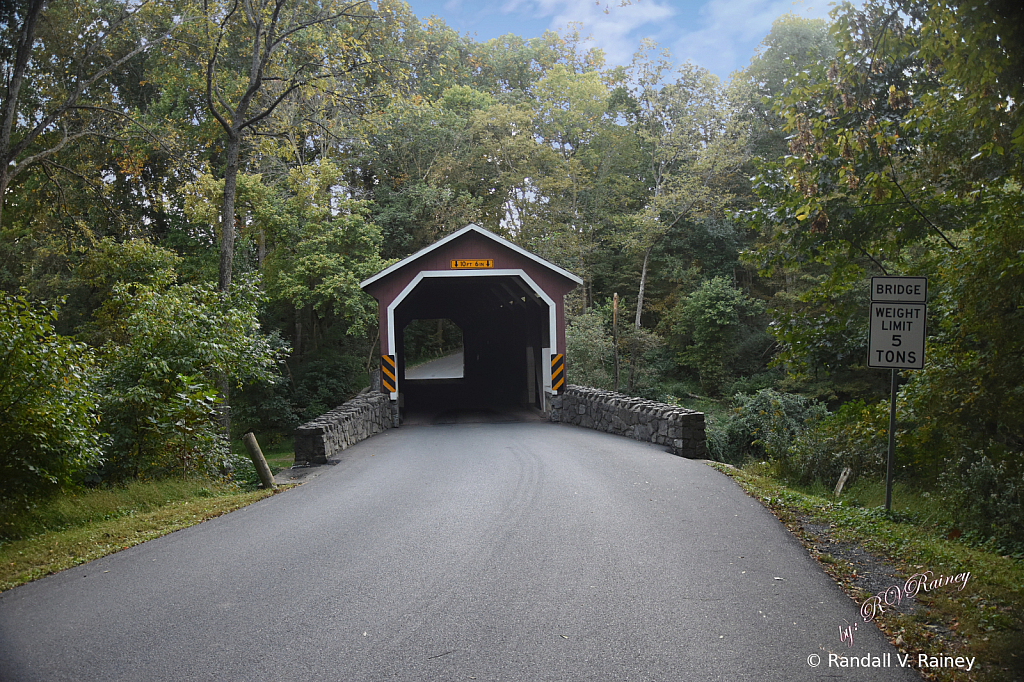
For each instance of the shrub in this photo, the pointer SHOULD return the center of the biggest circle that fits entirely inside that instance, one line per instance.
(986, 496)
(49, 431)
(161, 369)
(855, 436)
(706, 326)
(763, 426)
(589, 351)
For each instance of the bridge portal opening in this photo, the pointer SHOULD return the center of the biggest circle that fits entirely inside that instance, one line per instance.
(504, 325)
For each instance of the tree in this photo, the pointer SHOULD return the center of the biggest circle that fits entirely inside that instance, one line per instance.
(167, 352)
(793, 45)
(689, 147)
(325, 247)
(58, 59)
(258, 55)
(706, 326)
(906, 156)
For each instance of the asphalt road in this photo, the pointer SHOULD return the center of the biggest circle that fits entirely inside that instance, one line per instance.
(447, 367)
(498, 552)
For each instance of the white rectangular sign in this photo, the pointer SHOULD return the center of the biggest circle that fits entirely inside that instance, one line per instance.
(897, 335)
(899, 289)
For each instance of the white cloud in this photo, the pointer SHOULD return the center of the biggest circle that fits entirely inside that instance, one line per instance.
(730, 31)
(617, 33)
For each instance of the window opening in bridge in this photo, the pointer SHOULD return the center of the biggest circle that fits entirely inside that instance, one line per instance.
(433, 350)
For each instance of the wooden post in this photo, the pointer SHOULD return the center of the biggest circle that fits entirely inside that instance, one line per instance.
(842, 480)
(256, 455)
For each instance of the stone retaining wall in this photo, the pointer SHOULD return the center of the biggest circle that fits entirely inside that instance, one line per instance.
(676, 427)
(325, 437)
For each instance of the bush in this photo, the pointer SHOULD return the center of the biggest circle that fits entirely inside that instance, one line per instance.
(49, 431)
(161, 370)
(590, 356)
(986, 496)
(324, 383)
(856, 436)
(709, 331)
(763, 426)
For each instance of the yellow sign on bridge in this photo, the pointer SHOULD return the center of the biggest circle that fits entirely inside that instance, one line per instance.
(472, 263)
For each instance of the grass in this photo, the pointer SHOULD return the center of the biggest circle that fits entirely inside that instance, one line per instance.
(69, 530)
(278, 450)
(984, 620)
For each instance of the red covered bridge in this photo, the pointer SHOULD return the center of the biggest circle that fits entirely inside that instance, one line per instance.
(509, 304)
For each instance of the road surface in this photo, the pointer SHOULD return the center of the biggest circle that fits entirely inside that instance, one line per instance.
(506, 552)
(448, 367)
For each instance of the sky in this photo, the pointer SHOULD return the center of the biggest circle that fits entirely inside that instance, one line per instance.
(720, 35)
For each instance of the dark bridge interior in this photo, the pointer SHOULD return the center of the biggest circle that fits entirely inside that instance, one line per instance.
(504, 327)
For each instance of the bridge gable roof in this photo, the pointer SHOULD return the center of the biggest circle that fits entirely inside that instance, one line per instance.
(471, 242)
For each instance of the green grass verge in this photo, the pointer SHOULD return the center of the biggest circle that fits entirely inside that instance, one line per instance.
(71, 529)
(984, 620)
(278, 450)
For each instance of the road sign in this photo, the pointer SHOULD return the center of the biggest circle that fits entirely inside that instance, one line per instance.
(899, 289)
(388, 375)
(896, 341)
(472, 263)
(557, 372)
(898, 318)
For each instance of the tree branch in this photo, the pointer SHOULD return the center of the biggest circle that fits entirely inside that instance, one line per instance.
(892, 167)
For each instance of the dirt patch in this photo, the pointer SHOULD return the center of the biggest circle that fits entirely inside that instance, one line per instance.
(860, 572)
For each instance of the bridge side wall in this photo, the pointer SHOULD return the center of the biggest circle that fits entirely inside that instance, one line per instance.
(678, 428)
(325, 437)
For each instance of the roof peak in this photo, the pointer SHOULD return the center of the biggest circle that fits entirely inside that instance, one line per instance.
(472, 227)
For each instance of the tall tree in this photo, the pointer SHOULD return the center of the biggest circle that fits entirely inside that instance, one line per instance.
(258, 54)
(57, 61)
(689, 145)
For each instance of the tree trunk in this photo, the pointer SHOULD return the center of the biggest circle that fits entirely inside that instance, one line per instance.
(9, 111)
(615, 337)
(227, 215)
(227, 255)
(633, 346)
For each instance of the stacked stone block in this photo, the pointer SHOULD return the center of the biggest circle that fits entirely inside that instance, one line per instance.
(325, 437)
(678, 428)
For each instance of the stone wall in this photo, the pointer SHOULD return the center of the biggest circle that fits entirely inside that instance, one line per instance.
(325, 437)
(678, 428)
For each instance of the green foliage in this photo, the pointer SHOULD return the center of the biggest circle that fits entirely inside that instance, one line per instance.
(986, 496)
(159, 375)
(325, 247)
(324, 383)
(763, 426)
(590, 355)
(109, 264)
(905, 155)
(706, 327)
(49, 431)
(855, 436)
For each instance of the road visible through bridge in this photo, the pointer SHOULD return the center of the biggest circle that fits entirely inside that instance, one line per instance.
(522, 551)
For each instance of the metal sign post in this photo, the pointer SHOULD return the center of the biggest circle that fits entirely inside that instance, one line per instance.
(896, 341)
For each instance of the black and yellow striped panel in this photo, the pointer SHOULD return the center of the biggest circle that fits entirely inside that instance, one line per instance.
(388, 373)
(557, 372)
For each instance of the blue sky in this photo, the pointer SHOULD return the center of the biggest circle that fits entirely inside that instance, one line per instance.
(720, 35)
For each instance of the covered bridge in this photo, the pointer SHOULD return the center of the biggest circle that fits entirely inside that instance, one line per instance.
(509, 305)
